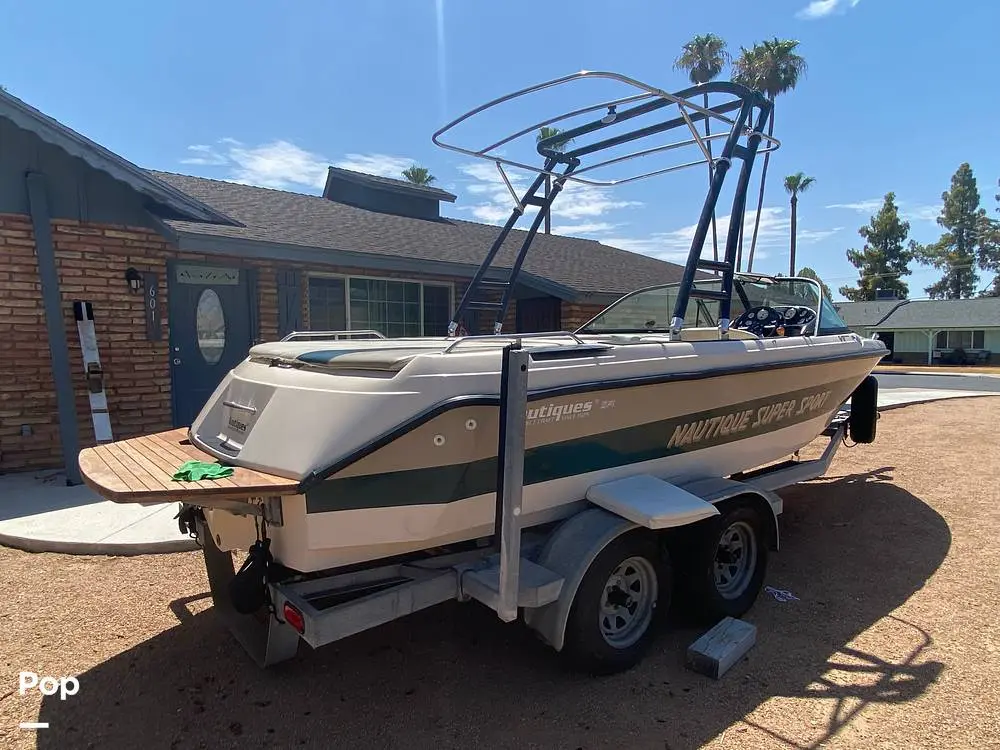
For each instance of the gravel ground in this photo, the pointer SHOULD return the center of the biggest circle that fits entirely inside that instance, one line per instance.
(893, 642)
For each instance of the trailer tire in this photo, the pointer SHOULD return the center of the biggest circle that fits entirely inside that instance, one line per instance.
(726, 587)
(619, 605)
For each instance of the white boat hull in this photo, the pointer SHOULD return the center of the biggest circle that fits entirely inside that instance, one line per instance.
(779, 410)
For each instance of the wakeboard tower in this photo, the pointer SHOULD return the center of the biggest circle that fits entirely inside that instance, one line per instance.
(639, 116)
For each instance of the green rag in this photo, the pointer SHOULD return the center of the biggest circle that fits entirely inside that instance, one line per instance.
(192, 471)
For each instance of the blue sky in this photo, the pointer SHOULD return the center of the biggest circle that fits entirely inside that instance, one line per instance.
(898, 94)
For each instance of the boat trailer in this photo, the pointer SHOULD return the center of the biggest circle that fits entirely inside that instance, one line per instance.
(565, 581)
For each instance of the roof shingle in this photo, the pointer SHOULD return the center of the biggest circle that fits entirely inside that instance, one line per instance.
(983, 312)
(863, 314)
(583, 266)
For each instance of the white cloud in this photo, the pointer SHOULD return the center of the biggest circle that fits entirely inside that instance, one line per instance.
(278, 164)
(283, 165)
(382, 165)
(862, 207)
(823, 8)
(204, 155)
(773, 233)
(575, 203)
(922, 212)
(928, 212)
(585, 228)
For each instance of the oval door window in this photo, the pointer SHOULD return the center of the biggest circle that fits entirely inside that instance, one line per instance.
(211, 323)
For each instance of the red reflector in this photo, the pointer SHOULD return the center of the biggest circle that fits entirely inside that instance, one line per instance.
(294, 618)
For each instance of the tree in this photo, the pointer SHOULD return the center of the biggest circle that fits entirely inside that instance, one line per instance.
(418, 175)
(969, 240)
(991, 256)
(885, 257)
(795, 184)
(774, 68)
(809, 273)
(703, 58)
(543, 133)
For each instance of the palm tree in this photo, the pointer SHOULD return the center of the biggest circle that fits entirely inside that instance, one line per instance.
(418, 175)
(795, 184)
(772, 67)
(543, 133)
(703, 58)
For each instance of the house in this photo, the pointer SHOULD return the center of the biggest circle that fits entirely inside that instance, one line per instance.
(181, 275)
(946, 331)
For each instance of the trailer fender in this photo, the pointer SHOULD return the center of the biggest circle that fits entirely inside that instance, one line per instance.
(569, 552)
(762, 504)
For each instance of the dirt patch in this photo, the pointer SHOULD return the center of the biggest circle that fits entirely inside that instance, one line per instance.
(893, 641)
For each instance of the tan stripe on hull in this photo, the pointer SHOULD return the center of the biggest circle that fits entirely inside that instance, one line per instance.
(467, 434)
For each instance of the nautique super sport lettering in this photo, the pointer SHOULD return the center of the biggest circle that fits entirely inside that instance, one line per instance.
(746, 419)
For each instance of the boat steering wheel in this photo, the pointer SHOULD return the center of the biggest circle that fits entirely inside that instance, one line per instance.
(800, 317)
(758, 319)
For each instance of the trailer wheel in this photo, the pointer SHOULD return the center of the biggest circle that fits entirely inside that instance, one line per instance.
(726, 564)
(621, 599)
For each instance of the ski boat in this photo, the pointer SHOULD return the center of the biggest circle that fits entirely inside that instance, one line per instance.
(361, 448)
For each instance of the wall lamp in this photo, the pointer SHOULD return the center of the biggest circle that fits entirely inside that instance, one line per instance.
(134, 279)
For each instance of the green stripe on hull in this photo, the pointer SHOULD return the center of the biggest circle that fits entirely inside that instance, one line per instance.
(647, 442)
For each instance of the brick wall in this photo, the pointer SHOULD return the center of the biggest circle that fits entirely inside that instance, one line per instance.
(91, 260)
(575, 315)
(26, 390)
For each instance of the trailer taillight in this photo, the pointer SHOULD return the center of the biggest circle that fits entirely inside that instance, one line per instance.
(294, 618)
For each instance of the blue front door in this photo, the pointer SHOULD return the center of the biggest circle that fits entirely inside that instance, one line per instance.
(211, 330)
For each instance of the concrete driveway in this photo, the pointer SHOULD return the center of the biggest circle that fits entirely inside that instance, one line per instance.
(943, 382)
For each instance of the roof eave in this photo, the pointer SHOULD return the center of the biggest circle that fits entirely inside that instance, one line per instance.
(359, 178)
(211, 244)
(53, 132)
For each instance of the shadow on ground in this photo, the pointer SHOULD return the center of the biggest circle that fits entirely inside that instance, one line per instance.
(34, 493)
(853, 550)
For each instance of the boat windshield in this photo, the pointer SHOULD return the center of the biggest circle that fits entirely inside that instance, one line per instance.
(650, 310)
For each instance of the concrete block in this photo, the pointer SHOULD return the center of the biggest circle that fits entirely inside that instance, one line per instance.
(721, 647)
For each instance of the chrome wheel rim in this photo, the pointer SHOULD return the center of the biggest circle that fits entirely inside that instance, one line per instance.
(735, 560)
(628, 601)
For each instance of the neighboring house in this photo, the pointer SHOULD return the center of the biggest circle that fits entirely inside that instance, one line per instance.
(184, 274)
(860, 317)
(947, 331)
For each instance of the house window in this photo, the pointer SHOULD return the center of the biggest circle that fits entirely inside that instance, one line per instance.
(960, 340)
(327, 311)
(393, 308)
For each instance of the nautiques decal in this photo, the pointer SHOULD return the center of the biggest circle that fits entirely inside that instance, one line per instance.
(549, 413)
